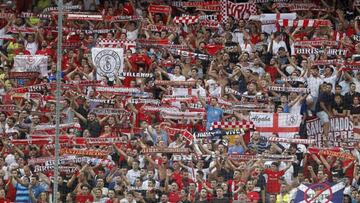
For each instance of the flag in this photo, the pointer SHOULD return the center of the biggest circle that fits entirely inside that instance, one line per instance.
(108, 62)
(270, 123)
(28, 63)
(237, 10)
(320, 192)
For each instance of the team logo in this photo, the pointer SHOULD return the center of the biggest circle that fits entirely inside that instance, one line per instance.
(107, 62)
(291, 119)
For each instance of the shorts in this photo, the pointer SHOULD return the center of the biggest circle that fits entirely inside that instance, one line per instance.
(323, 116)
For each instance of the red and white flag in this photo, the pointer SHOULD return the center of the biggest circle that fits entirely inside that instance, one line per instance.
(303, 23)
(237, 10)
(280, 123)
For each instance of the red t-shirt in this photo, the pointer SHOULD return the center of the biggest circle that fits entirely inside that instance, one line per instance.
(4, 200)
(272, 71)
(233, 185)
(273, 183)
(174, 197)
(83, 198)
(253, 196)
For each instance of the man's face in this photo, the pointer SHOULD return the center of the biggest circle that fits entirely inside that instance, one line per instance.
(33, 181)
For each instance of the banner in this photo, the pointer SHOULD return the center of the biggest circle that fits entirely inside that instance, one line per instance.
(28, 63)
(270, 123)
(341, 129)
(320, 192)
(175, 83)
(108, 61)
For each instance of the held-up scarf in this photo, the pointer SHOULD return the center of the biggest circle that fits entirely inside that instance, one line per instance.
(191, 54)
(123, 18)
(195, 4)
(301, 7)
(92, 153)
(172, 131)
(145, 101)
(109, 111)
(295, 141)
(337, 154)
(23, 75)
(43, 141)
(315, 43)
(28, 15)
(158, 28)
(117, 90)
(62, 126)
(159, 9)
(165, 150)
(233, 125)
(92, 17)
(62, 169)
(217, 134)
(336, 52)
(9, 108)
(160, 108)
(182, 115)
(265, 157)
(65, 8)
(303, 23)
(137, 75)
(63, 160)
(175, 83)
(127, 44)
(288, 89)
(6, 15)
(170, 98)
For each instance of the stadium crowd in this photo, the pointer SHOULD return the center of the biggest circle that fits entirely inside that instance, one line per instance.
(139, 126)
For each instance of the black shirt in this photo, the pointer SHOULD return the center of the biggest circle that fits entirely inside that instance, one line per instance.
(326, 98)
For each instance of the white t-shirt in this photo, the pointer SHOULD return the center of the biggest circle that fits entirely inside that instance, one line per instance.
(132, 35)
(131, 175)
(32, 47)
(276, 46)
(314, 84)
(176, 78)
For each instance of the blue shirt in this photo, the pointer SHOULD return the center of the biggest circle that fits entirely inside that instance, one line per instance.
(236, 150)
(213, 115)
(22, 193)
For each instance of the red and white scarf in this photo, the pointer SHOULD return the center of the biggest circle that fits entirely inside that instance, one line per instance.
(295, 141)
(303, 23)
(182, 115)
(232, 125)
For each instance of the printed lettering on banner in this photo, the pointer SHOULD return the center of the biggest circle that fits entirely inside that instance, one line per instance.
(341, 129)
(283, 124)
(108, 62)
(28, 63)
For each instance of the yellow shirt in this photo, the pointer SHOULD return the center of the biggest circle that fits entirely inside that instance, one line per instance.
(283, 198)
